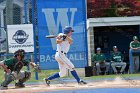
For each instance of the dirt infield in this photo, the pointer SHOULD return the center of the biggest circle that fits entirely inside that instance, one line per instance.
(116, 83)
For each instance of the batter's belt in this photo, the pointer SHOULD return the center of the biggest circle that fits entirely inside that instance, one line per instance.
(62, 52)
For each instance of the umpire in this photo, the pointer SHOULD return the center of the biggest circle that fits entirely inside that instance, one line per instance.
(12, 68)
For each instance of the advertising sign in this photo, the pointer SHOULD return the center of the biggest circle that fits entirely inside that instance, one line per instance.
(20, 37)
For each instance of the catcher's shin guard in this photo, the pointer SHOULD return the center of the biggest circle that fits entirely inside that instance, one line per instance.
(21, 81)
(9, 78)
(27, 76)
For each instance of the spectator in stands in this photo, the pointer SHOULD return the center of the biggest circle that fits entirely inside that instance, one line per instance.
(135, 45)
(117, 60)
(99, 60)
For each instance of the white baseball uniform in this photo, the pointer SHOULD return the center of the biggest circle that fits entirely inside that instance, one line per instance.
(60, 56)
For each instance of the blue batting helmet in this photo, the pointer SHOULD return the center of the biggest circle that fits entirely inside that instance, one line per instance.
(67, 29)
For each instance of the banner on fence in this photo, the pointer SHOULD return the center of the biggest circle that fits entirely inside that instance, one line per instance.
(52, 18)
(20, 37)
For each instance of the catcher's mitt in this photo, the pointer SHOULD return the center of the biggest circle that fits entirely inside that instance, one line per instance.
(37, 69)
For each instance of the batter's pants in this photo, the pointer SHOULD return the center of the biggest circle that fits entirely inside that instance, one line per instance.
(67, 64)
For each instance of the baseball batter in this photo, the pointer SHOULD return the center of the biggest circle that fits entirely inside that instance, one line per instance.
(64, 41)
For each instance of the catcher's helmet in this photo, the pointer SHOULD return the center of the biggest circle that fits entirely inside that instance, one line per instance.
(20, 52)
(67, 29)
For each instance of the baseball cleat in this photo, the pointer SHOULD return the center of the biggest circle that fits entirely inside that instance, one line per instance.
(82, 82)
(47, 82)
(19, 85)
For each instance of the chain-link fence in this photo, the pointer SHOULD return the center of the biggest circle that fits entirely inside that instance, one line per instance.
(28, 56)
(14, 12)
(3, 43)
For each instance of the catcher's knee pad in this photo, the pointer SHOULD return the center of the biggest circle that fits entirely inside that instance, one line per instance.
(10, 77)
(27, 74)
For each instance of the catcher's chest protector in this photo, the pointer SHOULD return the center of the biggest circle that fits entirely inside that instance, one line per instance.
(18, 66)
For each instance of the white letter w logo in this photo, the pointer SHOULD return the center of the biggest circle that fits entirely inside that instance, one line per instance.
(61, 20)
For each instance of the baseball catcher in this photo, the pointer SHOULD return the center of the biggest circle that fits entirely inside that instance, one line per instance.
(12, 68)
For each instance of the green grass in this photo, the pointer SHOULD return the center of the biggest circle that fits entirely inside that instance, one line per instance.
(113, 76)
(43, 74)
(46, 73)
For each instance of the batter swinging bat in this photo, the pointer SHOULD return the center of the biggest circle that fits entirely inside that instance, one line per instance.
(51, 36)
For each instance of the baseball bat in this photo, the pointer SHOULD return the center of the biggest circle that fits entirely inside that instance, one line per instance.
(51, 36)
